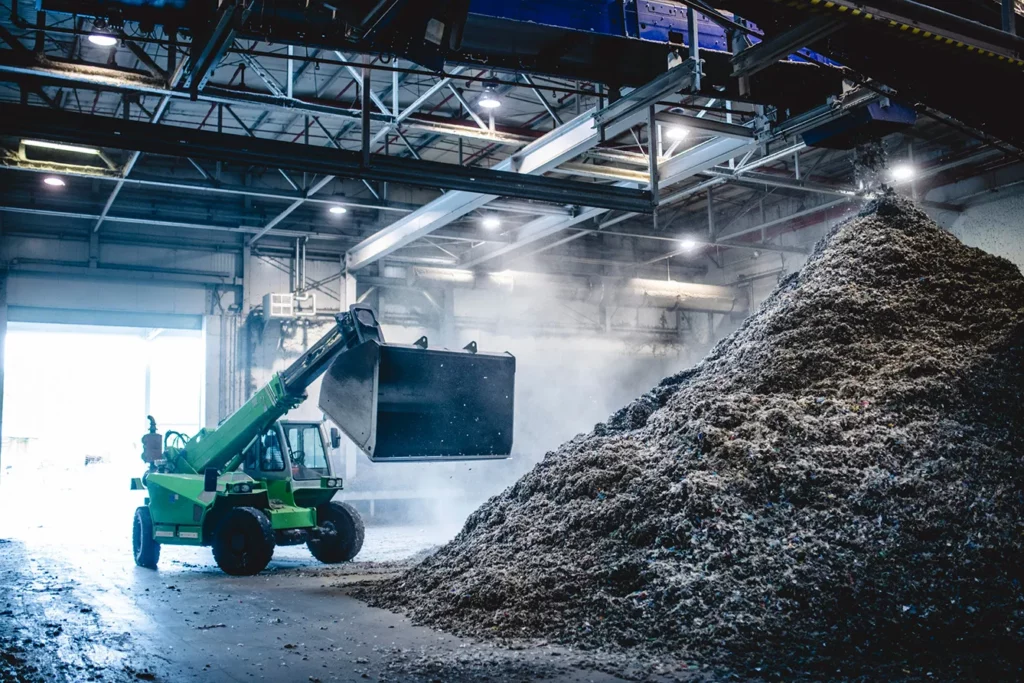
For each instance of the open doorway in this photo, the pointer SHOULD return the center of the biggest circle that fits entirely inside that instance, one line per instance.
(75, 404)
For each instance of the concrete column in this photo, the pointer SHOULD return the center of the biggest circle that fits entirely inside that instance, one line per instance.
(3, 339)
(213, 370)
(246, 283)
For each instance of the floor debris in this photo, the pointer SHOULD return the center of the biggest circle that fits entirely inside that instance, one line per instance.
(835, 492)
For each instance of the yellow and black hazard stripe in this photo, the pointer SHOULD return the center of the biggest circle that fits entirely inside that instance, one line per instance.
(843, 7)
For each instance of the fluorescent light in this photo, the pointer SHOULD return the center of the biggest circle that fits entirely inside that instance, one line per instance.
(61, 147)
(338, 210)
(102, 39)
(491, 222)
(489, 100)
(688, 244)
(901, 172)
(676, 132)
(54, 181)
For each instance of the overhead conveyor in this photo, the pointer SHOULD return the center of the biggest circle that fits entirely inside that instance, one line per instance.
(947, 56)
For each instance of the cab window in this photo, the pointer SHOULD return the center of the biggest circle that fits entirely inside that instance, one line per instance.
(271, 455)
(307, 452)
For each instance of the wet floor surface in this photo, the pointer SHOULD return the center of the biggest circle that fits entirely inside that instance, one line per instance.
(74, 607)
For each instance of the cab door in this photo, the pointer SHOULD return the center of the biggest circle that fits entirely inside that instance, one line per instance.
(307, 452)
(267, 456)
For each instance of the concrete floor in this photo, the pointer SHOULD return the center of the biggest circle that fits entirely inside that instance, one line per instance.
(74, 607)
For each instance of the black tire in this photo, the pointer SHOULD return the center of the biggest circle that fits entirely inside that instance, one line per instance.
(342, 535)
(144, 547)
(243, 542)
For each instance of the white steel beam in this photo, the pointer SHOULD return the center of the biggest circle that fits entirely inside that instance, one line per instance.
(542, 155)
(671, 171)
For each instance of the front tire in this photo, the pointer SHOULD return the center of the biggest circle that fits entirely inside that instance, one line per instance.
(144, 547)
(244, 542)
(342, 533)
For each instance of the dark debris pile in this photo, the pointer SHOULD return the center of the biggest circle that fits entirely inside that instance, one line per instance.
(835, 492)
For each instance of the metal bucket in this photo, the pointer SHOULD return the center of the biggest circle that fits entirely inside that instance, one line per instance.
(400, 403)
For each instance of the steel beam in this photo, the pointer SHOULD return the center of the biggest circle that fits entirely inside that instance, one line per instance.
(163, 224)
(26, 54)
(700, 123)
(101, 131)
(319, 185)
(761, 179)
(544, 154)
(469, 109)
(417, 103)
(206, 52)
(115, 80)
(267, 78)
(771, 50)
(786, 219)
(680, 167)
(543, 100)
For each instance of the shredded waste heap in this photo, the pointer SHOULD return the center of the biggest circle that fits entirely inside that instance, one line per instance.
(835, 492)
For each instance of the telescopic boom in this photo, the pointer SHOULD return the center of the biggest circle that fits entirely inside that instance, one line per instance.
(395, 402)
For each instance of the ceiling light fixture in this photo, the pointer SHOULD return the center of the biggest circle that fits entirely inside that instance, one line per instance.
(61, 147)
(102, 39)
(901, 172)
(489, 100)
(688, 244)
(491, 222)
(676, 133)
(338, 210)
(54, 181)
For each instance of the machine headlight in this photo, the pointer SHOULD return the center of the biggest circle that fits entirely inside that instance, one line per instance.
(241, 488)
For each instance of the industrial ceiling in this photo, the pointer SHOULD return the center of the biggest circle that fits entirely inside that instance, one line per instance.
(483, 135)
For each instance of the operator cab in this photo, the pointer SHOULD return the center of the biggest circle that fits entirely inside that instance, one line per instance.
(291, 450)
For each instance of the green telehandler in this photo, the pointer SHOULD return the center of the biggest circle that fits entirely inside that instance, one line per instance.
(257, 481)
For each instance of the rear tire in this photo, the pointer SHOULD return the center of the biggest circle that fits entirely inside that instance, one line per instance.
(144, 547)
(243, 542)
(344, 533)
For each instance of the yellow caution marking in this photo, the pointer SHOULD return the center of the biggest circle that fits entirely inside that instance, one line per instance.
(843, 8)
(855, 12)
(869, 16)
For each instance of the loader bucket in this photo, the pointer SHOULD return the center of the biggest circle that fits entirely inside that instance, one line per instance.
(401, 403)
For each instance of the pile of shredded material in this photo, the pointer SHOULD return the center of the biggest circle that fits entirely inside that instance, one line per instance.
(835, 492)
